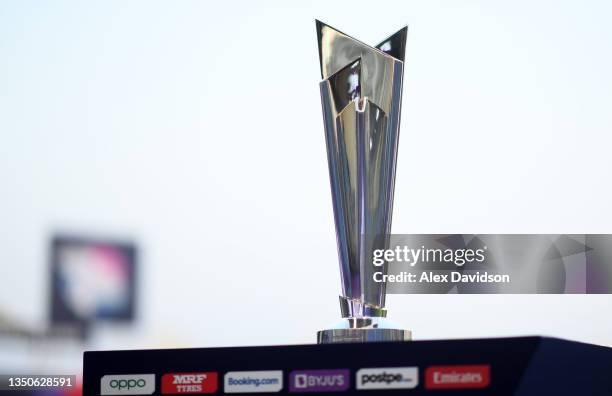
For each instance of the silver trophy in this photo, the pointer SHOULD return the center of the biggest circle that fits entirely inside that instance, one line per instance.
(361, 93)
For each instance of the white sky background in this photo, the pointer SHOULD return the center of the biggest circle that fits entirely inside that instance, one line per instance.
(196, 129)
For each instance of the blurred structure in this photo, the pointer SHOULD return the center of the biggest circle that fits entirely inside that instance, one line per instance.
(91, 280)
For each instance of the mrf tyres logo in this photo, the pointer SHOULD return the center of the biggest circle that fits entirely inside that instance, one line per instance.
(387, 378)
(189, 383)
(128, 384)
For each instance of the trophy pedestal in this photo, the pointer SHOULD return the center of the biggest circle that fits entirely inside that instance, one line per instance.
(366, 329)
(522, 366)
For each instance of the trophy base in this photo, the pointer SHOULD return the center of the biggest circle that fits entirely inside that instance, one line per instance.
(363, 330)
(522, 366)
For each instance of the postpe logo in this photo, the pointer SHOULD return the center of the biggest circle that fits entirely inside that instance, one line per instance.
(129, 384)
(387, 378)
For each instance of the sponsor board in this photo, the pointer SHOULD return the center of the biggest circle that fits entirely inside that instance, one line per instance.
(387, 378)
(319, 380)
(127, 384)
(457, 377)
(189, 383)
(253, 381)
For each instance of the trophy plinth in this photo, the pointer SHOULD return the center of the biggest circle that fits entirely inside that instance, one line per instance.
(362, 324)
(363, 330)
(361, 94)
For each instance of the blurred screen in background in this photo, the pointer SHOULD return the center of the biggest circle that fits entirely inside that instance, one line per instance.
(91, 280)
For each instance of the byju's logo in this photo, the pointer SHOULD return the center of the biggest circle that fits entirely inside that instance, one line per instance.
(253, 381)
(130, 384)
(189, 383)
(387, 378)
(319, 380)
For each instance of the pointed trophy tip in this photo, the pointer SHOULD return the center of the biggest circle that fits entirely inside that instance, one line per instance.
(325, 35)
(321, 24)
(333, 43)
(321, 27)
(395, 45)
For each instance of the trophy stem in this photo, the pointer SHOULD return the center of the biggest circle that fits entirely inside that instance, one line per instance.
(354, 308)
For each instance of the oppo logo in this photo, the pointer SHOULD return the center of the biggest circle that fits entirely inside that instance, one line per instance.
(129, 384)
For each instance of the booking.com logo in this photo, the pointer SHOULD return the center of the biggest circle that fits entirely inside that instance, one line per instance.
(129, 384)
(253, 381)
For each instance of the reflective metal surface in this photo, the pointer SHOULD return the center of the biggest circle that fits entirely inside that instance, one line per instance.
(361, 95)
(363, 330)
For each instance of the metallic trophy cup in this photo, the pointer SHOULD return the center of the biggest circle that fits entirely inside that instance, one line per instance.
(361, 93)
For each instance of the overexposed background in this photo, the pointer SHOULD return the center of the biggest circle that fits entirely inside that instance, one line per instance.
(195, 128)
